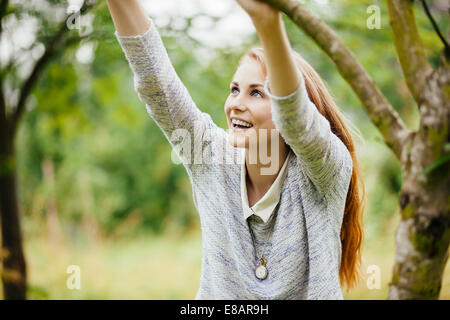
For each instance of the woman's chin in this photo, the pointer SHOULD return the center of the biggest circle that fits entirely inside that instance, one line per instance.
(236, 141)
(242, 138)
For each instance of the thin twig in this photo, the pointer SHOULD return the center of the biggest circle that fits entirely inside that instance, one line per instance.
(436, 28)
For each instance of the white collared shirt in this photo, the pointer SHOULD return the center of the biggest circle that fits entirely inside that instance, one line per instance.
(265, 206)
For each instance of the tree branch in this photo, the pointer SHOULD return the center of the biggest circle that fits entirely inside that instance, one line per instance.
(30, 82)
(382, 114)
(51, 48)
(409, 47)
(436, 28)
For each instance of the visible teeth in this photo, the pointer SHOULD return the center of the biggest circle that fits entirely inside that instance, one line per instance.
(242, 123)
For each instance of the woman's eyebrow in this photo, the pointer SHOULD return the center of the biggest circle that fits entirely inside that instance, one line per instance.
(251, 85)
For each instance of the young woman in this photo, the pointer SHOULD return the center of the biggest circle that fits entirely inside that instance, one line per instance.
(292, 232)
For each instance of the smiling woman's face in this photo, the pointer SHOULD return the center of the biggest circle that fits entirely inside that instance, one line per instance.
(247, 103)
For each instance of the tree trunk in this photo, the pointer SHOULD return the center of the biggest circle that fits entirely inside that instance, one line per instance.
(423, 235)
(14, 267)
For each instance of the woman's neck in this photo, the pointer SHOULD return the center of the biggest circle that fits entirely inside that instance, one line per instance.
(261, 176)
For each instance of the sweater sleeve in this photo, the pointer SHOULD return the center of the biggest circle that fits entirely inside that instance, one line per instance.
(323, 156)
(167, 100)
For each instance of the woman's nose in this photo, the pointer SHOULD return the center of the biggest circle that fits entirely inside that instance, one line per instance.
(238, 106)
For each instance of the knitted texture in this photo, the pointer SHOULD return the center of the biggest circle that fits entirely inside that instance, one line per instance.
(303, 248)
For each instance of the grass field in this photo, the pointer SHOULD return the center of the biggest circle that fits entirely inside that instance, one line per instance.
(157, 267)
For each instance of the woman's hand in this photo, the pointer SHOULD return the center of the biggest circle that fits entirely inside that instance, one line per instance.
(259, 11)
(280, 64)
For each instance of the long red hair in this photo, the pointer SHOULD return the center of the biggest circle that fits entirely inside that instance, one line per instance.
(352, 224)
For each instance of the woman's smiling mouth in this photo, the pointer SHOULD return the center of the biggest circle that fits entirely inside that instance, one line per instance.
(239, 125)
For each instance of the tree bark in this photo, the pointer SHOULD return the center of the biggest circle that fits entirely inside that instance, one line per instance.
(14, 268)
(423, 236)
(409, 47)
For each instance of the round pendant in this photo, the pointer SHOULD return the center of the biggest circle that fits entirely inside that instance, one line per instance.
(261, 272)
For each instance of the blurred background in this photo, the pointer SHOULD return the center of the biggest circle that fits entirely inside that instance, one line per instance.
(96, 186)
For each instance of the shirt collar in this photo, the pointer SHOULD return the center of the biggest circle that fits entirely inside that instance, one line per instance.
(265, 206)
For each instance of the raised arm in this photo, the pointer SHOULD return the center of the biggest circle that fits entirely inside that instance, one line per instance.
(324, 157)
(128, 17)
(167, 100)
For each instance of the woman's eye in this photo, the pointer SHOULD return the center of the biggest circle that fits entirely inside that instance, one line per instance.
(258, 92)
(235, 88)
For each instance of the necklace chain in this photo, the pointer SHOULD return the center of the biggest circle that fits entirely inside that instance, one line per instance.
(262, 260)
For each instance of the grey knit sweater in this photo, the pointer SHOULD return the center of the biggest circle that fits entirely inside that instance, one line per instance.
(303, 250)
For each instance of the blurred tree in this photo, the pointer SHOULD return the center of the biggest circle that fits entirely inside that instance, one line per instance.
(109, 165)
(52, 36)
(423, 235)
